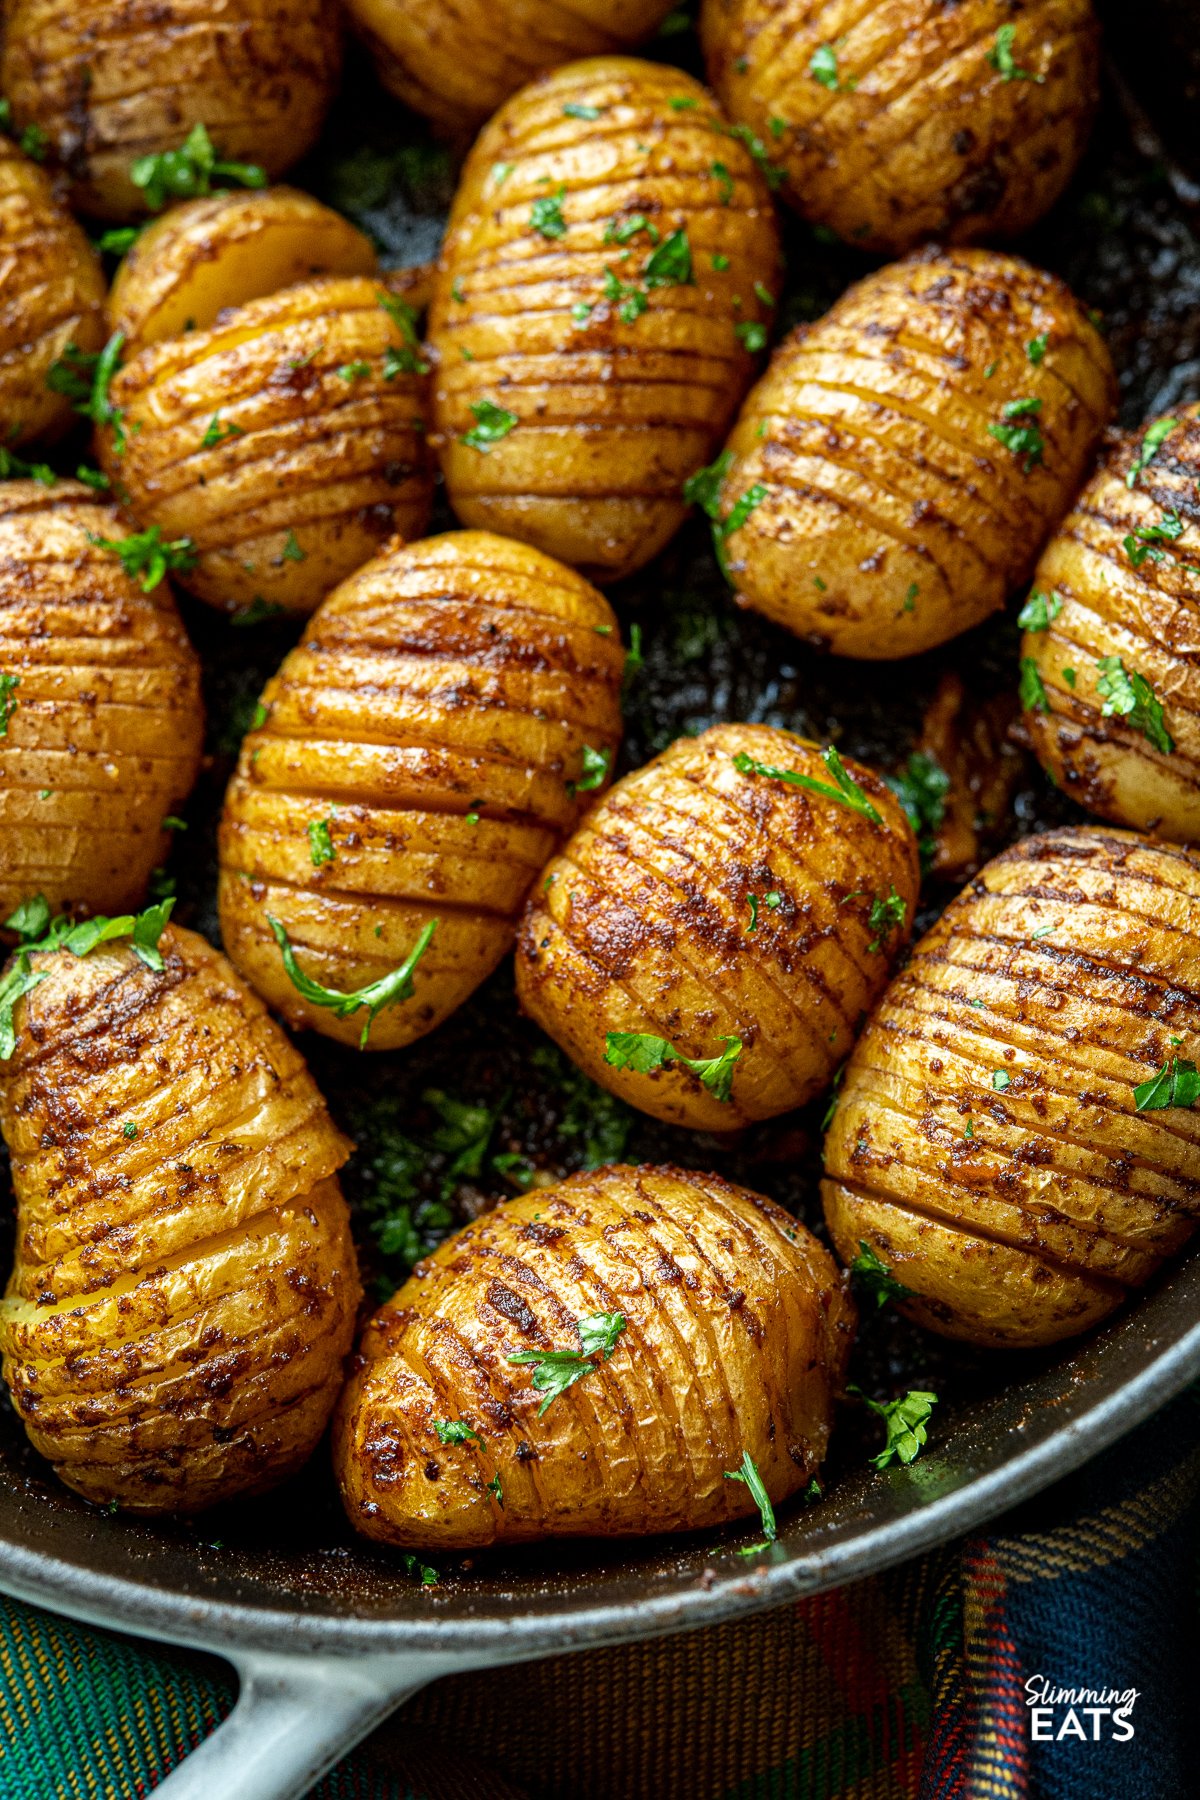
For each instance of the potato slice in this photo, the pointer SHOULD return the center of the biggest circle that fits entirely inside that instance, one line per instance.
(995, 1141)
(223, 251)
(446, 717)
(107, 84)
(701, 906)
(185, 1288)
(895, 472)
(102, 718)
(1109, 675)
(729, 1334)
(611, 260)
(53, 296)
(913, 119)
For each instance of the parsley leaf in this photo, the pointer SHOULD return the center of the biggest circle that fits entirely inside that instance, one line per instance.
(1128, 695)
(1001, 57)
(455, 1431)
(846, 790)
(190, 171)
(1021, 440)
(595, 768)
(320, 843)
(1032, 688)
(632, 299)
(145, 554)
(546, 214)
(704, 487)
(906, 1420)
(1037, 346)
(921, 788)
(724, 181)
(876, 1278)
(84, 377)
(1152, 443)
(389, 990)
(1177, 1083)
(772, 173)
(15, 468)
(20, 978)
(751, 335)
(409, 360)
(217, 432)
(1040, 611)
(823, 67)
(885, 917)
(619, 231)
(670, 265)
(748, 1473)
(574, 109)
(554, 1371)
(1141, 541)
(642, 1052)
(492, 423)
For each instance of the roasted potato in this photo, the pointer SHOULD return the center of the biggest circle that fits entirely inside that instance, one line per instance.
(447, 714)
(1004, 1140)
(53, 293)
(1108, 671)
(184, 1289)
(727, 1333)
(895, 472)
(611, 262)
(912, 119)
(713, 907)
(100, 713)
(125, 79)
(457, 62)
(279, 446)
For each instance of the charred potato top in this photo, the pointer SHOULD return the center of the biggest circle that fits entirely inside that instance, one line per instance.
(610, 263)
(184, 1288)
(724, 912)
(447, 715)
(53, 293)
(895, 472)
(100, 714)
(1003, 1139)
(912, 119)
(112, 81)
(1109, 673)
(456, 61)
(727, 1331)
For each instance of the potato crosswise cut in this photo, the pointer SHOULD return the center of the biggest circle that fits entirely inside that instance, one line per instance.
(1002, 1139)
(446, 716)
(286, 441)
(728, 1331)
(896, 471)
(611, 253)
(185, 1288)
(100, 712)
(456, 61)
(911, 119)
(53, 289)
(108, 81)
(699, 904)
(1110, 670)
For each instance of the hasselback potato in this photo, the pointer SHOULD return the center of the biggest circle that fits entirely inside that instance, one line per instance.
(53, 290)
(284, 442)
(1108, 674)
(912, 119)
(716, 908)
(184, 1289)
(456, 61)
(726, 1331)
(610, 265)
(100, 713)
(446, 716)
(120, 80)
(1015, 1136)
(897, 469)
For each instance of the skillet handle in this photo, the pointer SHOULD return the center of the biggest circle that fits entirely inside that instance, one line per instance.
(296, 1716)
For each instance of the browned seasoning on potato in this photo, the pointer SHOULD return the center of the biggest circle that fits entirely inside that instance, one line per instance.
(1004, 1139)
(185, 1287)
(448, 714)
(714, 1327)
(710, 905)
(100, 713)
(912, 119)
(1108, 673)
(110, 83)
(895, 472)
(456, 61)
(604, 285)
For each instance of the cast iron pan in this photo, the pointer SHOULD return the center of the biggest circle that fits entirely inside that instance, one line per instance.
(328, 1633)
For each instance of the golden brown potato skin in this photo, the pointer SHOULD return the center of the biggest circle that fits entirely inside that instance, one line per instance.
(183, 1296)
(53, 291)
(327, 462)
(433, 717)
(644, 924)
(1148, 615)
(456, 61)
(736, 1338)
(922, 136)
(1021, 1214)
(613, 414)
(892, 518)
(103, 741)
(118, 79)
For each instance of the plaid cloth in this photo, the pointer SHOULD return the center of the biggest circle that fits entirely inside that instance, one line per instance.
(909, 1686)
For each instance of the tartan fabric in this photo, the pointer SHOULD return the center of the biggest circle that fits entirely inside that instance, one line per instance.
(909, 1686)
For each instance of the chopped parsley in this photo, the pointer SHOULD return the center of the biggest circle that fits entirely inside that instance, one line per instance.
(724, 181)
(354, 371)
(455, 1431)
(642, 1052)
(291, 551)
(495, 1488)
(320, 843)
(886, 916)
(845, 789)
(1040, 611)
(389, 990)
(15, 468)
(635, 661)
(1001, 57)
(921, 788)
(190, 171)
(144, 929)
(492, 423)
(546, 214)
(619, 231)
(1128, 695)
(1152, 443)
(772, 173)
(1032, 688)
(1021, 439)
(907, 1421)
(575, 109)
(1143, 540)
(408, 360)
(1037, 346)
(118, 240)
(8, 705)
(751, 335)
(554, 1371)
(876, 1278)
(217, 432)
(593, 771)
(670, 265)
(823, 67)
(85, 376)
(630, 299)
(1177, 1083)
(748, 1474)
(145, 554)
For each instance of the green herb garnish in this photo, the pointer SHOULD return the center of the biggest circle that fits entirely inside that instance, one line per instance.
(1040, 611)
(546, 214)
(1032, 688)
(145, 554)
(876, 1278)
(554, 1371)
(906, 1419)
(1177, 1083)
(455, 1431)
(389, 990)
(190, 171)
(1152, 443)
(642, 1052)
(492, 423)
(846, 790)
(749, 1475)
(1129, 696)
